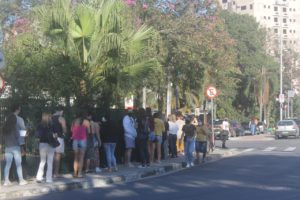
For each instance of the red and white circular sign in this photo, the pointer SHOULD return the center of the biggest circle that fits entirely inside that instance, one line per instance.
(211, 92)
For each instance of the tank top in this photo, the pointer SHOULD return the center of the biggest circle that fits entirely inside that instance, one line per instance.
(57, 128)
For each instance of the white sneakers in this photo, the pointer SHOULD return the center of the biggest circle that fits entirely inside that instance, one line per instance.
(7, 183)
(23, 182)
(98, 170)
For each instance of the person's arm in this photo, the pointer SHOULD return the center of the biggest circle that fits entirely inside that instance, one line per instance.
(97, 131)
(62, 121)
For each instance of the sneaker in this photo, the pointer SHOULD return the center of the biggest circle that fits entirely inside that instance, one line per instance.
(49, 181)
(188, 166)
(98, 170)
(23, 182)
(7, 183)
(116, 169)
(192, 164)
(141, 166)
(79, 175)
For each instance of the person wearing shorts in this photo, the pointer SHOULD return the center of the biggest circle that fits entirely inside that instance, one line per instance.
(59, 127)
(201, 141)
(130, 134)
(159, 128)
(79, 135)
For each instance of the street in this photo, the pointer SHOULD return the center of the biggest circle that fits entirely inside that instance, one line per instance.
(264, 169)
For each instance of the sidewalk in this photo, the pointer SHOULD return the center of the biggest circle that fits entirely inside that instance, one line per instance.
(92, 180)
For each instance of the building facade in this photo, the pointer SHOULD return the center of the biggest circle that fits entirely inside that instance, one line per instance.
(280, 17)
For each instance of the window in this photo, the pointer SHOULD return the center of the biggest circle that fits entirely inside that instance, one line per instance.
(275, 8)
(251, 6)
(294, 31)
(243, 7)
(269, 17)
(269, 7)
(275, 19)
(284, 20)
(283, 9)
(294, 10)
(275, 30)
(284, 31)
(224, 1)
(265, 6)
(265, 17)
(294, 20)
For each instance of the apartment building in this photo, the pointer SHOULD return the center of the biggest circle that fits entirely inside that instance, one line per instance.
(278, 16)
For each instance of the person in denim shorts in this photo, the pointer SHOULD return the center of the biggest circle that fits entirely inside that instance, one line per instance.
(79, 135)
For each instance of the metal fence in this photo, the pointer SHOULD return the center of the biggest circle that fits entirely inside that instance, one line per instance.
(31, 113)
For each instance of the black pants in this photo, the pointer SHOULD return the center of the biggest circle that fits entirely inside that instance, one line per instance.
(143, 150)
(224, 137)
(172, 144)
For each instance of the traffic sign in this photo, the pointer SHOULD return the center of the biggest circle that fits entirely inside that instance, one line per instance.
(2, 61)
(211, 92)
(2, 84)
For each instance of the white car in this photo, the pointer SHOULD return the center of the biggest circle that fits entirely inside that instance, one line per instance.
(286, 128)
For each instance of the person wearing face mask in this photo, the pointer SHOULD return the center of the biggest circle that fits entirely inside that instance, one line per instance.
(109, 139)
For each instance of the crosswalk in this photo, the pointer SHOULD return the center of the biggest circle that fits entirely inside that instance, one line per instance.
(266, 149)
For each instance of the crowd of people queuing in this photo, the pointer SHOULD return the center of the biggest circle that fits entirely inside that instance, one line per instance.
(152, 135)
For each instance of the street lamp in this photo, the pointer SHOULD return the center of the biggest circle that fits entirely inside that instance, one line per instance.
(281, 95)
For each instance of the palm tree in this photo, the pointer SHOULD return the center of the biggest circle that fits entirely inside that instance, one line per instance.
(100, 35)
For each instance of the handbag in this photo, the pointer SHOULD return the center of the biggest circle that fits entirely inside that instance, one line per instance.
(53, 141)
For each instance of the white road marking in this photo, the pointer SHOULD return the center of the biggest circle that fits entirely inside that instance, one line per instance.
(269, 148)
(247, 150)
(289, 149)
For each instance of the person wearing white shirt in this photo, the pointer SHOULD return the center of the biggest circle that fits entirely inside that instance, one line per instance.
(173, 129)
(225, 132)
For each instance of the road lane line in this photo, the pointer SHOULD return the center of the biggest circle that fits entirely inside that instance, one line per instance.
(247, 150)
(289, 149)
(269, 148)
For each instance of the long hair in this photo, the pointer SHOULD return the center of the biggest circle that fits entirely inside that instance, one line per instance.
(46, 118)
(10, 124)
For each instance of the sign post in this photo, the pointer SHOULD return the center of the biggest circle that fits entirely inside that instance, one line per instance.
(211, 93)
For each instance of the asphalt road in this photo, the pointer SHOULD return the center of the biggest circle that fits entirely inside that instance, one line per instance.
(262, 170)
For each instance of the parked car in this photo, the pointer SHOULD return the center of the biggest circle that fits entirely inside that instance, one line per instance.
(297, 121)
(286, 128)
(237, 128)
(260, 128)
(218, 129)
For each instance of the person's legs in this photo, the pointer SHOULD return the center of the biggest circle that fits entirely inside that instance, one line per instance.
(141, 145)
(81, 161)
(50, 156)
(166, 149)
(76, 162)
(8, 161)
(57, 158)
(18, 161)
(191, 151)
(108, 154)
(43, 155)
(158, 149)
(152, 151)
(112, 153)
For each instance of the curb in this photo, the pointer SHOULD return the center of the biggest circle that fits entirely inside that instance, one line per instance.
(90, 182)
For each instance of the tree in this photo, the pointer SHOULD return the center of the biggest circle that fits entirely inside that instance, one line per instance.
(99, 35)
(258, 69)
